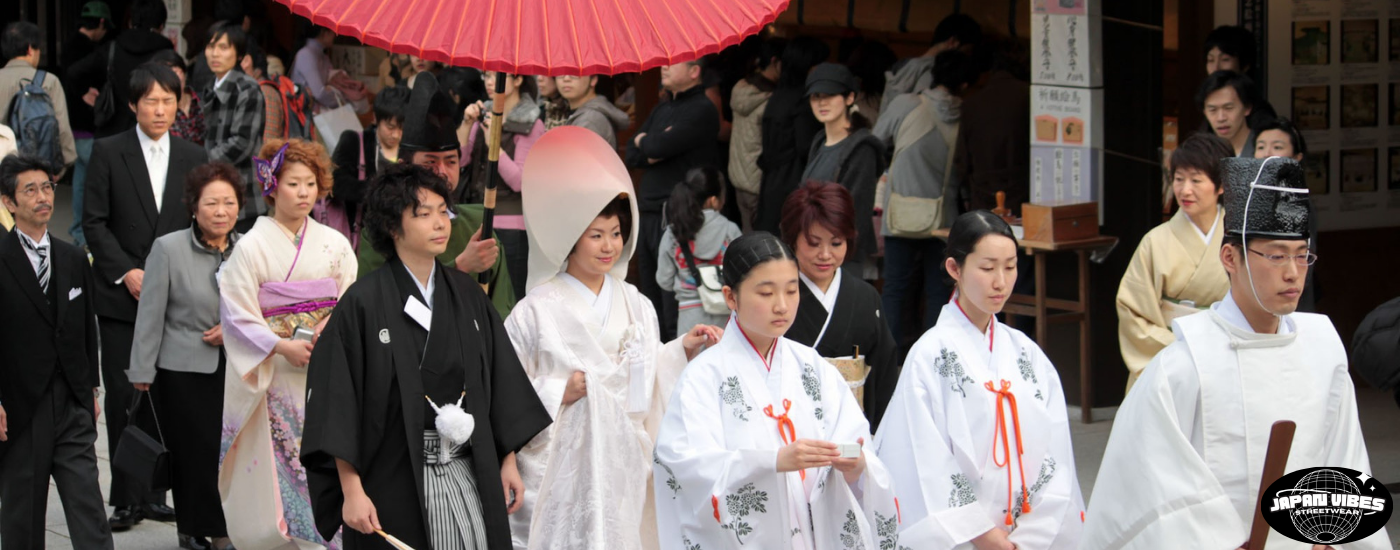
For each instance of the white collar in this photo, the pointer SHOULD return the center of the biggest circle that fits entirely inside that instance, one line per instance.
(426, 290)
(43, 241)
(1230, 311)
(601, 303)
(828, 298)
(146, 141)
(1205, 237)
(219, 82)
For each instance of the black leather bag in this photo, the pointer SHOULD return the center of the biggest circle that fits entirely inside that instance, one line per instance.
(144, 459)
(106, 106)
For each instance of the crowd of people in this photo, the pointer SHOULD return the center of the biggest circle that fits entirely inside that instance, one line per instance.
(335, 355)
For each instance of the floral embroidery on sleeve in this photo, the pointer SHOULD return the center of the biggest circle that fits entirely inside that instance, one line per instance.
(1047, 472)
(949, 367)
(740, 505)
(732, 393)
(851, 537)
(670, 475)
(685, 542)
(813, 387)
(961, 494)
(887, 529)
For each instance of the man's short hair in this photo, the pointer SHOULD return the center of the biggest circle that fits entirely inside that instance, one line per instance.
(19, 37)
(146, 76)
(1218, 80)
(953, 69)
(1236, 42)
(14, 165)
(391, 192)
(959, 26)
(390, 104)
(233, 30)
(148, 14)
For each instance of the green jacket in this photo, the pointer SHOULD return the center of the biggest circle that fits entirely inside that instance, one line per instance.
(466, 223)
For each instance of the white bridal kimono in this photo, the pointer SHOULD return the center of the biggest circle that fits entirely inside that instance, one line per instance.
(1184, 461)
(586, 476)
(582, 482)
(717, 485)
(942, 440)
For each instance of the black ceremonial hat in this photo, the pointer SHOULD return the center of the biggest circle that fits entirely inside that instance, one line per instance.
(431, 119)
(1265, 198)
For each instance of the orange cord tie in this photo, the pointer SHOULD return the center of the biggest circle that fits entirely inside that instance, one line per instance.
(1004, 394)
(786, 429)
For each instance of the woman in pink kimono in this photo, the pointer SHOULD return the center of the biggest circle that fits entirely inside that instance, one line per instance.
(277, 294)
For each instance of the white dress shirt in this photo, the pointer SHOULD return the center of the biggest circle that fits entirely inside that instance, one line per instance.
(157, 154)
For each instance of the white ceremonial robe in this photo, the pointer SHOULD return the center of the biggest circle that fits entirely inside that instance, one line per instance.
(717, 484)
(940, 432)
(585, 476)
(1183, 464)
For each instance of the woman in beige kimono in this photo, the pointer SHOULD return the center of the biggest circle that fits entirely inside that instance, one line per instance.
(277, 289)
(592, 347)
(1176, 269)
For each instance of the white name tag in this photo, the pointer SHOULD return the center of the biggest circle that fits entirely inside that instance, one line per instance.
(419, 313)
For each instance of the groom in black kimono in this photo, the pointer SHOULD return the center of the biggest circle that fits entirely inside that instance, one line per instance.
(409, 330)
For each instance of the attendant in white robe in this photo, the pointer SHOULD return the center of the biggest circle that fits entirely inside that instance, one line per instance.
(591, 345)
(748, 454)
(1184, 463)
(976, 436)
(1176, 269)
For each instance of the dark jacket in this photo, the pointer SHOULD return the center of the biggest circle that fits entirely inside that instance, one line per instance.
(788, 130)
(861, 161)
(682, 133)
(134, 47)
(77, 48)
(120, 219)
(349, 189)
(1376, 345)
(44, 338)
(993, 153)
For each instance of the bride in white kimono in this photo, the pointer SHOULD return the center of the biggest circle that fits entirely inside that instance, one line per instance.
(591, 346)
(978, 408)
(737, 412)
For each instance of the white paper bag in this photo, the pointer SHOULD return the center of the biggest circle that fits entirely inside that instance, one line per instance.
(331, 123)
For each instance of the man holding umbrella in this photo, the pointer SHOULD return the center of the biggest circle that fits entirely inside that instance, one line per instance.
(430, 140)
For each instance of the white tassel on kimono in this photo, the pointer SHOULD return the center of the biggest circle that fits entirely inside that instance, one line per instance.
(454, 425)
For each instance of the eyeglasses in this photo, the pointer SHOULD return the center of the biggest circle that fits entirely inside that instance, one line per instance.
(32, 189)
(1301, 260)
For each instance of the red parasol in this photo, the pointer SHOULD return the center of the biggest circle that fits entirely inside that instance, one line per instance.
(543, 37)
(546, 37)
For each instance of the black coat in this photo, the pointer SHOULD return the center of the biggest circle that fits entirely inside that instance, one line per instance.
(364, 405)
(120, 220)
(861, 163)
(134, 47)
(788, 130)
(40, 334)
(683, 133)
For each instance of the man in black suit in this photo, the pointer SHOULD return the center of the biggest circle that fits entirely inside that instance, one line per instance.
(133, 194)
(48, 370)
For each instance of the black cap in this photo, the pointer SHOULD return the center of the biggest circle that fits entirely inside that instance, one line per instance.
(831, 78)
(430, 122)
(1278, 204)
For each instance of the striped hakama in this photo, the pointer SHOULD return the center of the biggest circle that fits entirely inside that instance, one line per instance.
(455, 517)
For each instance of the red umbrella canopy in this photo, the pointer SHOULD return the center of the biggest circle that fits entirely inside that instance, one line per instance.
(546, 37)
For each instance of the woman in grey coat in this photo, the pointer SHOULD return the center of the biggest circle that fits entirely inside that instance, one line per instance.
(177, 355)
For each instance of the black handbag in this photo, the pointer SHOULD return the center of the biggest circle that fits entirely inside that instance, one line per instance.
(144, 460)
(106, 106)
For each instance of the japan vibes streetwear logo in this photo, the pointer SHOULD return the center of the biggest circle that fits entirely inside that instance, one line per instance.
(1327, 505)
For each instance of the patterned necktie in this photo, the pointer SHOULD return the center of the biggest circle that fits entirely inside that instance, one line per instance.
(42, 251)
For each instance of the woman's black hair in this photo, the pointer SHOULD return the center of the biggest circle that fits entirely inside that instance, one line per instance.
(148, 15)
(465, 83)
(970, 228)
(686, 209)
(869, 62)
(622, 209)
(392, 191)
(800, 55)
(170, 59)
(1282, 124)
(750, 251)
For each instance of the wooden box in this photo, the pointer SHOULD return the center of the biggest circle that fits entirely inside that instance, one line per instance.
(1060, 223)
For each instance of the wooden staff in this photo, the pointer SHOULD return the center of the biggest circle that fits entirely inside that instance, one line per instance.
(493, 159)
(1280, 443)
